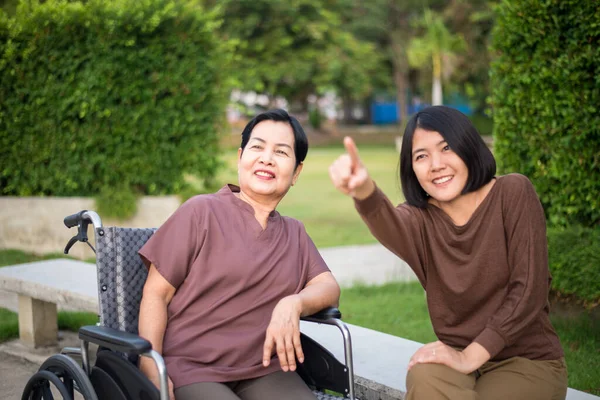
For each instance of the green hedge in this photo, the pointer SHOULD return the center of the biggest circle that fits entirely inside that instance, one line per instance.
(109, 98)
(575, 262)
(546, 102)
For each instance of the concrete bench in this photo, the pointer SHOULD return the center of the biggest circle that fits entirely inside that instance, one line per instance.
(43, 285)
(381, 361)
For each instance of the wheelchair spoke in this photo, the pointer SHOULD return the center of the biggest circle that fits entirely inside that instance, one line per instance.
(47, 393)
(69, 386)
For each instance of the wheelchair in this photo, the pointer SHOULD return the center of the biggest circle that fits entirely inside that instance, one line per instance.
(115, 375)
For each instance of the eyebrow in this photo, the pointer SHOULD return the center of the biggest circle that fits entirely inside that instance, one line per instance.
(276, 144)
(419, 150)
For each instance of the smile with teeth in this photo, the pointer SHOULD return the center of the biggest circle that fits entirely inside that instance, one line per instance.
(265, 174)
(441, 180)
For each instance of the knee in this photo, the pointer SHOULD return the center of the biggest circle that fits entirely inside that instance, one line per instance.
(437, 378)
(420, 375)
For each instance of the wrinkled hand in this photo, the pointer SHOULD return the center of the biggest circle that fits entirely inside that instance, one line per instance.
(149, 369)
(171, 392)
(439, 353)
(283, 333)
(349, 175)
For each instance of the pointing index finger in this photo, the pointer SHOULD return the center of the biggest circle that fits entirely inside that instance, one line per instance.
(352, 151)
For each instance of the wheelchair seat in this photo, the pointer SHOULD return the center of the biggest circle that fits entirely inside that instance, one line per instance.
(115, 375)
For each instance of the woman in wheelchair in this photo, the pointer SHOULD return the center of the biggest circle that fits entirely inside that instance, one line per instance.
(477, 244)
(229, 278)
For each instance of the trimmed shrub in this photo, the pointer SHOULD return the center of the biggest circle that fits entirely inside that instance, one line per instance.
(575, 262)
(109, 98)
(546, 102)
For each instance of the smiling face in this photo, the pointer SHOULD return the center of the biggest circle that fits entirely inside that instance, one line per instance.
(267, 165)
(439, 170)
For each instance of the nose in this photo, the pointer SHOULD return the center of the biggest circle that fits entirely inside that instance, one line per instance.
(437, 162)
(266, 157)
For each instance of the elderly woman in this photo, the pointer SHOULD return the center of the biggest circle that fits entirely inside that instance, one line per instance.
(229, 278)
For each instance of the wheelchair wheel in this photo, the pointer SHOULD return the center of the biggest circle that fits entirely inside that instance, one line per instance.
(65, 375)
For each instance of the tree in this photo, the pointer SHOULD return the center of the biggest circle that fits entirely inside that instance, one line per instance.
(388, 24)
(293, 48)
(437, 46)
(474, 20)
(545, 99)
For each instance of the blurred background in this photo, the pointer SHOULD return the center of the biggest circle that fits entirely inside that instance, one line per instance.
(112, 105)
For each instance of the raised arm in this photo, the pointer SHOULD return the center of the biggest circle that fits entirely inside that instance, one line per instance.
(157, 295)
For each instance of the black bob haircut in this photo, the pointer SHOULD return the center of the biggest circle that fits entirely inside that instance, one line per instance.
(463, 139)
(279, 115)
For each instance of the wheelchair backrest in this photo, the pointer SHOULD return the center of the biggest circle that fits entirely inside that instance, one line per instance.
(121, 275)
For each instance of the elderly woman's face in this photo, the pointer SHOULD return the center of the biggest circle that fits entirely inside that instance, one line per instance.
(267, 164)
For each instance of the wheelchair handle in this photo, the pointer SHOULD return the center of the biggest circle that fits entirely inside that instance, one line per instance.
(81, 220)
(74, 219)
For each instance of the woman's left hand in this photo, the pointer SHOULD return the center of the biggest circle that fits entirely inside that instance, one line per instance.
(283, 333)
(439, 353)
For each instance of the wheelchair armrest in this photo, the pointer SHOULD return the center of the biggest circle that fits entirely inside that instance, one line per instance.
(324, 315)
(115, 340)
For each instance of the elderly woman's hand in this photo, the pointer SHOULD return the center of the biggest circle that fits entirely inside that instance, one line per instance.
(283, 334)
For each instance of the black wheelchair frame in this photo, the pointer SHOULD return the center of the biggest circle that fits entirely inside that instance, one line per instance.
(115, 375)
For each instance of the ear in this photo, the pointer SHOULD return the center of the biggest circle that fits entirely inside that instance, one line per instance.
(297, 173)
(239, 157)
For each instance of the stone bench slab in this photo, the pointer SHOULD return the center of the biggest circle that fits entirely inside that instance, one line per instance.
(381, 360)
(42, 285)
(59, 281)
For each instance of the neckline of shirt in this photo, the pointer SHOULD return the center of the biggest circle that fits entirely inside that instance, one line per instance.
(229, 191)
(484, 203)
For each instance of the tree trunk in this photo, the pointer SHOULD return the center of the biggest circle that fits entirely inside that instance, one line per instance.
(401, 87)
(399, 41)
(347, 105)
(436, 90)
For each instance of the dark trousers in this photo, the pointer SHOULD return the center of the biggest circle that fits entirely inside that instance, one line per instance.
(275, 386)
(516, 378)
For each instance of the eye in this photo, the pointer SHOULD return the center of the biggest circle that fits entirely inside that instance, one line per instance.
(282, 152)
(446, 148)
(419, 157)
(256, 146)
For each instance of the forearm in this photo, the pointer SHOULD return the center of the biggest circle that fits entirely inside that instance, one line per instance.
(152, 325)
(318, 296)
(475, 355)
(365, 190)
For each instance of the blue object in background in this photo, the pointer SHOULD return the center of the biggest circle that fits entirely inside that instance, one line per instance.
(384, 113)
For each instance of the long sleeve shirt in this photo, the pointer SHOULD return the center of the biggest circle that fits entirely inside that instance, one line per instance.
(487, 281)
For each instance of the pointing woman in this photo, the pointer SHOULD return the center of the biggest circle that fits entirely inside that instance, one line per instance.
(477, 243)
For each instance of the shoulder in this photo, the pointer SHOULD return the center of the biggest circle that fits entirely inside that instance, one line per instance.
(292, 224)
(514, 179)
(516, 190)
(515, 183)
(199, 201)
(202, 204)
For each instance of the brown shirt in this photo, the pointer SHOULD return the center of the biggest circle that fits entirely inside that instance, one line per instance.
(229, 274)
(486, 281)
